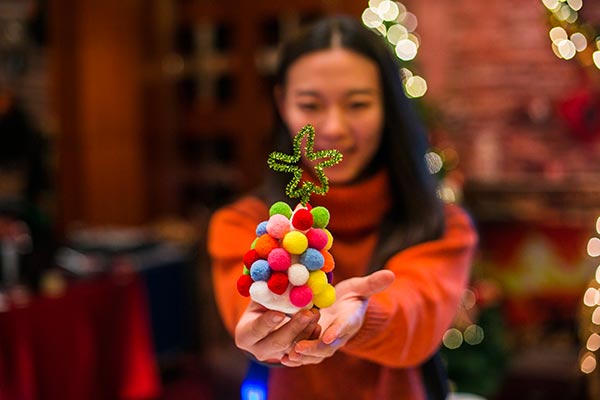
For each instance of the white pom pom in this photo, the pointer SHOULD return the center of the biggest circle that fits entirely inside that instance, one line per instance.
(298, 274)
(260, 293)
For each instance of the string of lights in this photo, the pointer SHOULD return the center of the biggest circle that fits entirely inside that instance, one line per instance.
(397, 25)
(571, 36)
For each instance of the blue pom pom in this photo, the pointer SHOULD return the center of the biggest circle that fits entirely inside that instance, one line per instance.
(312, 259)
(261, 228)
(260, 271)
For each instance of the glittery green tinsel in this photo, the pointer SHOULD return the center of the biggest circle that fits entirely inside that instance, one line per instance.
(290, 163)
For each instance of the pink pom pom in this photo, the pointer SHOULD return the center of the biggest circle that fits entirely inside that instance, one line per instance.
(300, 296)
(302, 219)
(278, 282)
(250, 257)
(317, 238)
(278, 226)
(279, 259)
(243, 285)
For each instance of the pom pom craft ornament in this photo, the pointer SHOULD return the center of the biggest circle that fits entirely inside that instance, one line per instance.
(289, 163)
(288, 267)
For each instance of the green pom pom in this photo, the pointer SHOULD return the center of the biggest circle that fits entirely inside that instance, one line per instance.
(246, 271)
(253, 245)
(282, 208)
(320, 217)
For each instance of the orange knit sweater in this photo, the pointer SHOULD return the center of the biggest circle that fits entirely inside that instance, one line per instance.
(403, 325)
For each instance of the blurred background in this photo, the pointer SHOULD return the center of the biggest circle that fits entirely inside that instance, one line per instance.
(124, 124)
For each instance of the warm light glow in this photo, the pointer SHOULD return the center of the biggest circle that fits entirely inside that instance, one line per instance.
(452, 339)
(593, 342)
(593, 247)
(596, 58)
(410, 21)
(579, 41)
(434, 161)
(575, 4)
(371, 19)
(588, 363)
(557, 34)
(598, 274)
(469, 299)
(416, 86)
(550, 4)
(388, 10)
(598, 225)
(566, 49)
(591, 297)
(596, 316)
(396, 33)
(473, 334)
(406, 50)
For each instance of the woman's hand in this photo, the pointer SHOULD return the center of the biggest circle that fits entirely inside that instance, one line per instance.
(342, 320)
(269, 335)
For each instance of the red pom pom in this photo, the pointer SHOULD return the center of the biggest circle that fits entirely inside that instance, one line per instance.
(250, 257)
(243, 285)
(302, 219)
(264, 245)
(278, 282)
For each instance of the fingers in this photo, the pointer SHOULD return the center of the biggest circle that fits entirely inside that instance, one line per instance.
(369, 285)
(258, 329)
(301, 325)
(312, 330)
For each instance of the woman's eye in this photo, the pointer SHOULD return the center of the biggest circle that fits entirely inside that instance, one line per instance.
(358, 105)
(308, 106)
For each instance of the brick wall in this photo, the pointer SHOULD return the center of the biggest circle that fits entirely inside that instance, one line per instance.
(493, 77)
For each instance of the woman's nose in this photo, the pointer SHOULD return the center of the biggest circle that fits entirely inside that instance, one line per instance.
(334, 126)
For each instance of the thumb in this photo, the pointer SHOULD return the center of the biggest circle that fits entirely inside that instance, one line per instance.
(366, 286)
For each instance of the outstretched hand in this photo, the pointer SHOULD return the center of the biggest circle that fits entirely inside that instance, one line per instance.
(269, 335)
(342, 320)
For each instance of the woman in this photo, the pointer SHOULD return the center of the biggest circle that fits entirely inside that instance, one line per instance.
(402, 258)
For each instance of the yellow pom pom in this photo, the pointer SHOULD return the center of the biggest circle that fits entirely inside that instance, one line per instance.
(317, 280)
(295, 242)
(325, 298)
(329, 239)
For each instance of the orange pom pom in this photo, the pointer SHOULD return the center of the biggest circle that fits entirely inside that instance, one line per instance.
(264, 245)
(329, 263)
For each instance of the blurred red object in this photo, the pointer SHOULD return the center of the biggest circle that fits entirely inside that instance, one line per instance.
(581, 113)
(93, 342)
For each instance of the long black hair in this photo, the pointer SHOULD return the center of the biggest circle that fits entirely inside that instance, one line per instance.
(416, 213)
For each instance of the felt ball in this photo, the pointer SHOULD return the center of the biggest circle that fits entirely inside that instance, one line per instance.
(260, 271)
(253, 245)
(320, 216)
(298, 274)
(317, 281)
(329, 276)
(302, 219)
(328, 261)
(279, 259)
(265, 244)
(278, 226)
(259, 292)
(250, 256)
(325, 298)
(243, 285)
(329, 239)
(278, 282)
(317, 238)
(246, 271)
(312, 259)
(282, 208)
(301, 295)
(295, 242)
(261, 228)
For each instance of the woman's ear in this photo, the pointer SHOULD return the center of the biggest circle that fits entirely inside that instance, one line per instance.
(279, 96)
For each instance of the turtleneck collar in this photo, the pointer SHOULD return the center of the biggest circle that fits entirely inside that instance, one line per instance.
(358, 206)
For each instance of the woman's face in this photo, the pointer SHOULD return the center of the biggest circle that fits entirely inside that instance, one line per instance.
(338, 92)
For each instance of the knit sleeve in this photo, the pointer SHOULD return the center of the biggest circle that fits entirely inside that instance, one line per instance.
(405, 323)
(230, 233)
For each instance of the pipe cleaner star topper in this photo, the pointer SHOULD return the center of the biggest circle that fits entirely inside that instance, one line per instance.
(290, 163)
